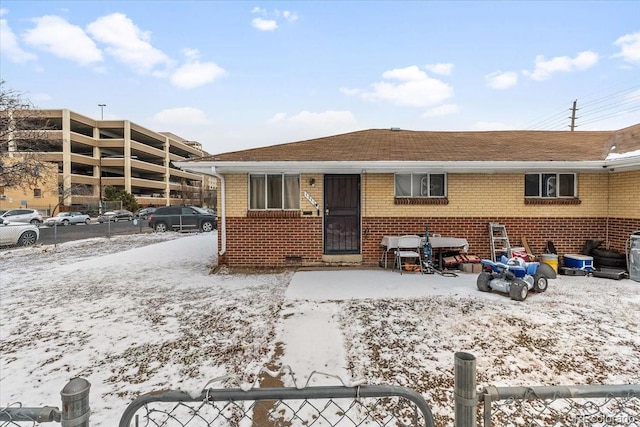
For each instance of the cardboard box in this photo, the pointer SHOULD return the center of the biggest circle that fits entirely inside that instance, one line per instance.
(471, 267)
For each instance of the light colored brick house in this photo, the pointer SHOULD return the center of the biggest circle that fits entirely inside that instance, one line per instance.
(330, 200)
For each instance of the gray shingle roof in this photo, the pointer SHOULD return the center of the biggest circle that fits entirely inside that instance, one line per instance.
(407, 145)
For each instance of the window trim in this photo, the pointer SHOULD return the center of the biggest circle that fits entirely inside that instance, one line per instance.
(428, 174)
(540, 184)
(265, 176)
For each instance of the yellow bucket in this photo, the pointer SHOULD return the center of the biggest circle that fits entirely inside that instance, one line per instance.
(551, 260)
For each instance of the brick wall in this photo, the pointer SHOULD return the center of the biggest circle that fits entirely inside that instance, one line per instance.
(267, 242)
(609, 210)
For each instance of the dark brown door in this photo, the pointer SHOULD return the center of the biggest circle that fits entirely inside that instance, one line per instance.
(341, 214)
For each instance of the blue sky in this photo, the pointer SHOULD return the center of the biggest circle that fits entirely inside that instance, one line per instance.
(240, 74)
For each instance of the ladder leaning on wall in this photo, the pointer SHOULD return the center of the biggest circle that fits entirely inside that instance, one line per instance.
(498, 236)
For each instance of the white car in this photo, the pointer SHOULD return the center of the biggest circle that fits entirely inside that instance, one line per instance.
(19, 234)
(23, 215)
(68, 218)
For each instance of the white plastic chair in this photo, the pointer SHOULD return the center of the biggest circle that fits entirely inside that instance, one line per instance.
(408, 248)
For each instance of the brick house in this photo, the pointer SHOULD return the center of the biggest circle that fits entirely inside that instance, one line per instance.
(330, 200)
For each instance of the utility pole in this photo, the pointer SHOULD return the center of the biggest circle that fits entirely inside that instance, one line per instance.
(573, 115)
(102, 110)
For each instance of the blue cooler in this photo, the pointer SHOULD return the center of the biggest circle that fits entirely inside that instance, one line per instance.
(581, 262)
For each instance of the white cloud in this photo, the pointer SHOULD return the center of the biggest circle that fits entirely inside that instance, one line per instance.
(442, 110)
(501, 80)
(127, 43)
(57, 36)
(349, 91)
(269, 21)
(181, 117)
(629, 45)
(307, 124)
(544, 69)
(264, 24)
(9, 45)
(414, 89)
(195, 73)
(290, 16)
(441, 69)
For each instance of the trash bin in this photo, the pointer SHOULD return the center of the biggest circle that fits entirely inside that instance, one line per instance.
(634, 256)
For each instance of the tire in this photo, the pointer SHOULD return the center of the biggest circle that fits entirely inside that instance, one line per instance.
(483, 282)
(35, 222)
(519, 290)
(160, 227)
(547, 270)
(27, 238)
(540, 282)
(608, 253)
(87, 221)
(610, 262)
(206, 226)
(65, 222)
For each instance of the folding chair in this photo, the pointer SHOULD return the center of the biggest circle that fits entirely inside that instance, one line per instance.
(408, 248)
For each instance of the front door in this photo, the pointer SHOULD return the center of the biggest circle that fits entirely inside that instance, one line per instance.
(341, 214)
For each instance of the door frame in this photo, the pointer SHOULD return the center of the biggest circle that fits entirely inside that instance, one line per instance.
(358, 216)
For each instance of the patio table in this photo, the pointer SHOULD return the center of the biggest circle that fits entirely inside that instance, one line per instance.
(390, 243)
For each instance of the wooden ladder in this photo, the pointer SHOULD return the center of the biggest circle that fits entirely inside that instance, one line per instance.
(498, 236)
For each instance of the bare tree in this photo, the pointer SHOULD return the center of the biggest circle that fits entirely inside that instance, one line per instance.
(23, 138)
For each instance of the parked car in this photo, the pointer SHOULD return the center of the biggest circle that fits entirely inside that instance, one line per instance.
(23, 215)
(145, 212)
(68, 218)
(182, 218)
(115, 216)
(19, 234)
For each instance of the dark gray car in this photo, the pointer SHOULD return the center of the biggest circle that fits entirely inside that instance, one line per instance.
(182, 218)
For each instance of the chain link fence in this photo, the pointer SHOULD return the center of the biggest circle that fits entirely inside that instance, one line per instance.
(544, 406)
(345, 406)
(373, 406)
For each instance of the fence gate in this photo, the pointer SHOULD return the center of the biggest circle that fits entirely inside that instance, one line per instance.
(279, 407)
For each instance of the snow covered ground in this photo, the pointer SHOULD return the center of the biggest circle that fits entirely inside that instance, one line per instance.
(134, 314)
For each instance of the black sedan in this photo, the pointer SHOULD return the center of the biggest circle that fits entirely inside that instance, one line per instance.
(115, 216)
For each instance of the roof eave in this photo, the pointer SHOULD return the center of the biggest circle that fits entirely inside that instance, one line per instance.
(205, 167)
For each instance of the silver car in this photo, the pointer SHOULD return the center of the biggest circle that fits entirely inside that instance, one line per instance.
(68, 218)
(19, 234)
(23, 215)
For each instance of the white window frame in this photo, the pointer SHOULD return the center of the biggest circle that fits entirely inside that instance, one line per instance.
(417, 193)
(544, 179)
(295, 198)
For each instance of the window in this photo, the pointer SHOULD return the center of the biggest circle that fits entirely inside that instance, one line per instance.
(37, 192)
(274, 191)
(550, 185)
(421, 185)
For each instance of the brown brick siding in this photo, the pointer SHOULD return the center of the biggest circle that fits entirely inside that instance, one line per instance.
(270, 242)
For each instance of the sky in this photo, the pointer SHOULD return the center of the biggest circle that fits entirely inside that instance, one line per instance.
(130, 320)
(234, 75)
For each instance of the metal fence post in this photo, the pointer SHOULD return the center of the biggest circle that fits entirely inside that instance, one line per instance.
(75, 403)
(465, 389)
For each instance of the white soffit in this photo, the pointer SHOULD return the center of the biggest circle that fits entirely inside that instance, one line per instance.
(207, 167)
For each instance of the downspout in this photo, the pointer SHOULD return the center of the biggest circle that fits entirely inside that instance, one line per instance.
(223, 211)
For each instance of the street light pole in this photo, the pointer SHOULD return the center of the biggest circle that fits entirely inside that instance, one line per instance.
(102, 110)
(100, 183)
